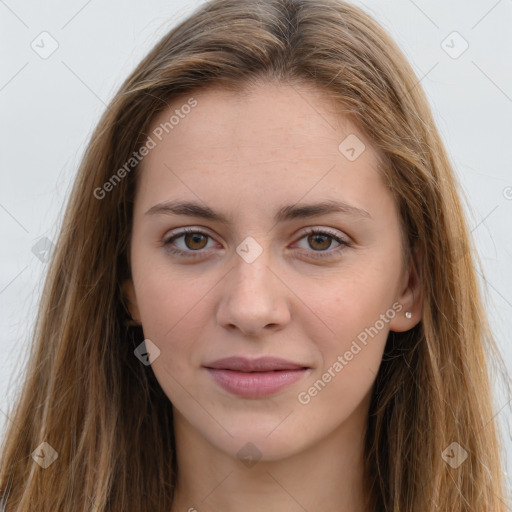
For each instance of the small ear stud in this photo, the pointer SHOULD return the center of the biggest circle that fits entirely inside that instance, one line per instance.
(408, 314)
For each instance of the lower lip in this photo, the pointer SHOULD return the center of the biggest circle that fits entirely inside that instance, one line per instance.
(255, 384)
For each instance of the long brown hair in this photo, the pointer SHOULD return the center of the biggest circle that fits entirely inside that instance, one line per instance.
(104, 413)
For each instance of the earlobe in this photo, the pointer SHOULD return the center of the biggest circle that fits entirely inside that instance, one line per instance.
(411, 298)
(131, 301)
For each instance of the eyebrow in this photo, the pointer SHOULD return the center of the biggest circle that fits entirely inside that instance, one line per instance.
(286, 213)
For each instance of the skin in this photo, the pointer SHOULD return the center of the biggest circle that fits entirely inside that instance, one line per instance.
(246, 156)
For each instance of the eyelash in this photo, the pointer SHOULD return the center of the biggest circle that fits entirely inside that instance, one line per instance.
(311, 231)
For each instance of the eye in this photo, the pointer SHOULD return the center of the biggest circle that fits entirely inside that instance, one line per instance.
(319, 240)
(194, 241)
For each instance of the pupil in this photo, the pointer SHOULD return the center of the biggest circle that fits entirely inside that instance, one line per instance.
(196, 237)
(324, 237)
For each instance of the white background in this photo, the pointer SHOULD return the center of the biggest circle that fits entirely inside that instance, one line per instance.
(50, 106)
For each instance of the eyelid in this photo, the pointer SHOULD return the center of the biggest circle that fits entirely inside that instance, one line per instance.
(343, 241)
(178, 233)
(324, 230)
(184, 231)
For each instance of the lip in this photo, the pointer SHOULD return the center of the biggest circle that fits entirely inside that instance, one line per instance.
(262, 364)
(254, 378)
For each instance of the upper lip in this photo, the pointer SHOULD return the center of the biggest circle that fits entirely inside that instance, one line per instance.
(262, 364)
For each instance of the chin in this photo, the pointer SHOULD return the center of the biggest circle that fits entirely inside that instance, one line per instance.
(258, 439)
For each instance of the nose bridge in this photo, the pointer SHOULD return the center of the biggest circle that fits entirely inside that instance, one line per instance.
(252, 296)
(252, 275)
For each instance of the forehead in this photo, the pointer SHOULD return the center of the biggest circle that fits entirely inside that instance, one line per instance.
(276, 113)
(269, 141)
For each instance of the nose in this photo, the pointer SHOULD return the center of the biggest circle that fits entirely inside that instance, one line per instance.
(255, 299)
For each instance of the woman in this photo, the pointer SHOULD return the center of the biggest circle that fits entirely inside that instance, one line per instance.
(258, 298)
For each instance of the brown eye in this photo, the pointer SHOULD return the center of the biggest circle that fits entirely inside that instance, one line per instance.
(319, 242)
(188, 242)
(195, 241)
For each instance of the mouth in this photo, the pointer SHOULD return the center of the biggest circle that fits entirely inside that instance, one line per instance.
(255, 378)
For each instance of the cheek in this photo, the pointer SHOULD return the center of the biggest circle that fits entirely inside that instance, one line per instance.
(174, 313)
(352, 315)
(350, 301)
(349, 351)
(169, 301)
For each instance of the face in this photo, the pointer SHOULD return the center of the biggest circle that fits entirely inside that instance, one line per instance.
(261, 273)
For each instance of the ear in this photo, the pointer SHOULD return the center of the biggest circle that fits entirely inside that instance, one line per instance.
(131, 300)
(410, 295)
